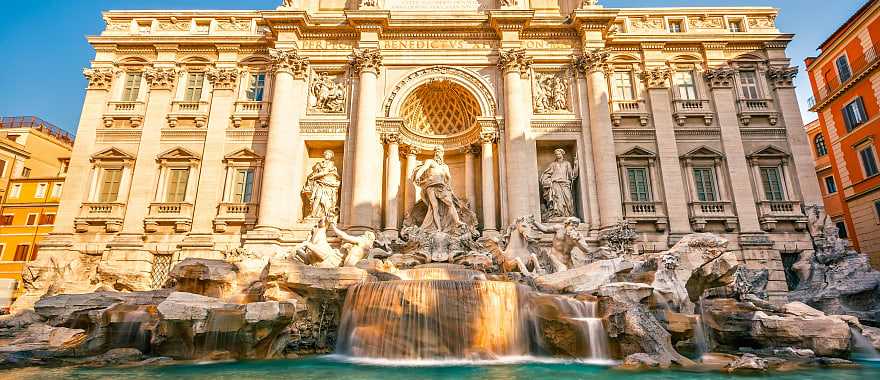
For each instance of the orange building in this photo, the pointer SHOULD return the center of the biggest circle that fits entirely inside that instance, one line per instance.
(845, 79)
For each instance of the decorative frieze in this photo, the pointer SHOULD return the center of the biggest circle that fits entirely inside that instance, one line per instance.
(657, 77)
(223, 78)
(782, 77)
(100, 78)
(366, 60)
(160, 78)
(289, 61)
(514, 60)
(721, 77)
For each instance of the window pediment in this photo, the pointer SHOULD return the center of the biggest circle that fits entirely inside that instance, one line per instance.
(638, 153)
(768, 151)
(112, 154)
(703, 152)
(243, 155)
(178, 154)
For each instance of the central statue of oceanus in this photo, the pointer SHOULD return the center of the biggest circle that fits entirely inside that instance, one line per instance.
(439, 209)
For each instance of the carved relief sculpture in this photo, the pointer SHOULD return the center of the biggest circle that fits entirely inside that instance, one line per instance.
(557, 200)
(551, 92)
(326, 95)
(321, 190)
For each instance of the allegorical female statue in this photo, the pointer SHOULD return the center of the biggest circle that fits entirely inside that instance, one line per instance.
(556, 186)
(322, 188)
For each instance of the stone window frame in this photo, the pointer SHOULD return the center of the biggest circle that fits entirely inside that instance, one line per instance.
(706, 157)
(753, 64)
(820, 138)
(254, 65)
(110, 158)
(626, 63)
(864, 144)
(743, 23)
(832, 182)
(177, 158)
(772, 156)
(127, 66)
(695, 66)
(193, 65)
(682, 20)
(243, 158)
(639, 157)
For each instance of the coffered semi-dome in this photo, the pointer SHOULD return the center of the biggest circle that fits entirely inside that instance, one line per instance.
(440, 108)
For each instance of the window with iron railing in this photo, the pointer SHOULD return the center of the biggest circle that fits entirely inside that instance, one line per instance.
(847, 68)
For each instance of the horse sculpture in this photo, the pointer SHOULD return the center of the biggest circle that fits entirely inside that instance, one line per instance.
(520, 252)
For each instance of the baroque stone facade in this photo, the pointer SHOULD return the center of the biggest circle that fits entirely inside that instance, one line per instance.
(200, 129)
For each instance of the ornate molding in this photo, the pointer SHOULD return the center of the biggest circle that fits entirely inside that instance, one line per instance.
(223, 78)
(593, 61)
(514, 60)
(721, 77)
(441, 73)
(366, 60)
(100, 78)
(782, 77)
(160, 78)
(657, 77)
(289, 61)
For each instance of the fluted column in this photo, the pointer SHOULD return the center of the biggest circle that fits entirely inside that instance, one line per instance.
(594, 64)
(470, 188)
(657, 81)
(366, 194)
(519, 168)
(392, 183)
(487, 162)
(411, 193)
(280, 204)
(721, 81)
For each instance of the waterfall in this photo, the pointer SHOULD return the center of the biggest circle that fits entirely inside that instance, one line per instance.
(595, 330)
(588, 341)
(863, 346)
(701, 338)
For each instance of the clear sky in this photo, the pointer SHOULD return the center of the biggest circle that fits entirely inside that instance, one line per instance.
(44, 47)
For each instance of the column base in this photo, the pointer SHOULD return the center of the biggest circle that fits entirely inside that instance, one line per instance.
(200, 245)
(273, 241)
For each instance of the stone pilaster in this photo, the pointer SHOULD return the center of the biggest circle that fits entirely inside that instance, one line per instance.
(470, 189)
(366, 194)
(519, 167)
(674, 192)
(588, 165)
(487, 185)
(411, 192)
(392, 183)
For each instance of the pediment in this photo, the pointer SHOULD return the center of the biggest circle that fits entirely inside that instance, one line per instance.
(768, 151)
(638, 152)
(178, 153)
(703, 152)
(112, 154)
(243, 154)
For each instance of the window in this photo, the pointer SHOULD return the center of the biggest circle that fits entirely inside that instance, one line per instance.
(704, 180)
(15, 192)
(854, 114)
(244, 186)
(41, 190)
(21, 252)
(869, 161)
(144, 27)
(176, 188)
(843, 70)
(110, 185)
(622, 86)
(132, 87)
(2, 167)
(25, 172)
(256, 87)
(47, 219)
(748, 83)
(56, 190)
(7, 220)
(772, 182)
(676, 26)
(735, 26)
(877, 210)
(31, 219)
(819, 142)
(639, 187)
(830, 185)
(194, 82)
(685, 86)
(841, 230)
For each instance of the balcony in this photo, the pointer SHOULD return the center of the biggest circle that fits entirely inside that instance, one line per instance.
(178, 214)
(702, 213)
(131, 111)
(251, 110)
(244, 214)
(110, 214)
(621, 109)
(749, 108)
(649, 212)
(196, 111)
(684, 109)
(858, 67)
(773, 212)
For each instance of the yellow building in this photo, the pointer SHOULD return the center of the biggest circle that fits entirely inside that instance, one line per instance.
(33, 162)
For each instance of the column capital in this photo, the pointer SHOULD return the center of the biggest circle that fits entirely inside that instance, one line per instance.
(720, 77)
(411, 150)
(160, 78)
(657, 77)
(470, 150)
(366, 60)
(289, 61)
(782, 77)
(100, 78)
(488, 136)
(514, 60)
(593, 61)
(224, 79)
(390, 137)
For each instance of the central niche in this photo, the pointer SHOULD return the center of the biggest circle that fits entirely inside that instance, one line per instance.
(440, 109)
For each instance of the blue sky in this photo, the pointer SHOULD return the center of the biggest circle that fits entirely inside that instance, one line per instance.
(45, 50)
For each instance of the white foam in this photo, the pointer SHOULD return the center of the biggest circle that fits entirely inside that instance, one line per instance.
(507, 360)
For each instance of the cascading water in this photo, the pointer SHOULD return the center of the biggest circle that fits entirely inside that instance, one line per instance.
(701, 339)
(865, 350)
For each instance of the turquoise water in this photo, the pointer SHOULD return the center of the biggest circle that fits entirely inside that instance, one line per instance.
(328, 368)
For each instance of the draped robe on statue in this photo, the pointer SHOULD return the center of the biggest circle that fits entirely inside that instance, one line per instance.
(556, 183)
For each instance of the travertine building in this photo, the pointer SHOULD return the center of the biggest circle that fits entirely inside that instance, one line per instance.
(200, 129)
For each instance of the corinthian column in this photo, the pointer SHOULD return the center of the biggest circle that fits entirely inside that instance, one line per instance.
(487, 160)
(366, 194)
(280, 204)
(519, 167)
(594, 64)
(412, 192)
(392, 183)
(470, 189)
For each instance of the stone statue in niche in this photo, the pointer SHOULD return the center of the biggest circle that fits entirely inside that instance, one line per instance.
(358, 247)
(326, 95)
(443, 207)
(317, 251)
(551, 93)
(322, 188)
(556, 186)
(565, 238)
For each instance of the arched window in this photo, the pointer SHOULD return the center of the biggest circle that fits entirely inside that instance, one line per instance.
(821, 149)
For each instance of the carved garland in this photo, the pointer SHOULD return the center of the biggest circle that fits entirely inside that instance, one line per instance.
(100, 78)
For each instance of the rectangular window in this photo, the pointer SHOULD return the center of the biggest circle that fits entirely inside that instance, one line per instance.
(176, 188)
(47, 219)
(772, 184)
(748, 83)
(869, 161)
(25, 172)
(31, 219)
(41, 190)
(7, 220)
(854, 114)
(21, 252)
(830, 185)
(622, 85)
(56, 190)
(256, 87)
(676, 26)
(15, 192)
(877, 210)
(132, 87)
(843, 69)
(639, 187)
(685, 86)
(704, 180)
(110, 185)
(244, 186)
(2, 168)
(194, 83)
(735, 26)
(841, 230)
